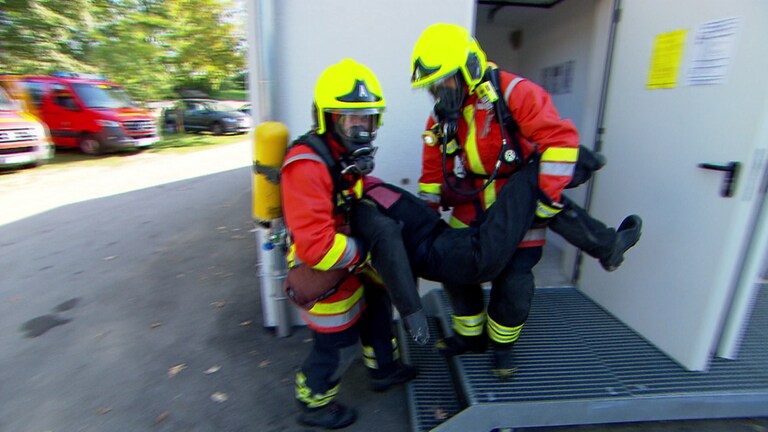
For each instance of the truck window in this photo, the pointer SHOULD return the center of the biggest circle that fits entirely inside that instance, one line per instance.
(5, 102)
(35, 90)
(102, 96)
(63, 98)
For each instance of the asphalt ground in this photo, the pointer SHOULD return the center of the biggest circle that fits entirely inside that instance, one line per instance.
(130, 301)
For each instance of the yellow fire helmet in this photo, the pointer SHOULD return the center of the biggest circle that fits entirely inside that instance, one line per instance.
(442, 50)
(347, 87)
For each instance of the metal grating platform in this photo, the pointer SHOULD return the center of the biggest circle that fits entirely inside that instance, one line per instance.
(579, 365)
(432, 395)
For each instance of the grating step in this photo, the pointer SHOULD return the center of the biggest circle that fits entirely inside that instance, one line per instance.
(580, 365)
(431, 396)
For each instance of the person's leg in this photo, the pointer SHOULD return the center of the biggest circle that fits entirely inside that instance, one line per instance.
(317, 383)
(588, 162)
(382, 236)
(508, 307)
(381, 353)
(592, 236)
(478, 254)
(467, 321)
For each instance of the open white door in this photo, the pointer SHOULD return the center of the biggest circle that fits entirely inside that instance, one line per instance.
(677, 283)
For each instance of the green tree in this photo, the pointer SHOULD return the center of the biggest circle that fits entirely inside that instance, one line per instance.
(201, 43)
(128, 47)
(150, 46)
(39, 36)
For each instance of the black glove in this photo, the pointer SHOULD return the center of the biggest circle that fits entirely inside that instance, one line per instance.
(416, 324)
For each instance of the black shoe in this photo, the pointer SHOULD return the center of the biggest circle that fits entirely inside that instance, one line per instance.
(457, 344)
(503, 363)
(626, 236)
(402, 374)
(331, 416)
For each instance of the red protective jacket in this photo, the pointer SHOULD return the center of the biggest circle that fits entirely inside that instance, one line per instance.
(314, 221)
(479, 139)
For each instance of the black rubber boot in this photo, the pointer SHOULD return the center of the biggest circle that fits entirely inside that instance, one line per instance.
(331, 416)
(458, 344)
(402, 374)
(503, 362)
(626, 236)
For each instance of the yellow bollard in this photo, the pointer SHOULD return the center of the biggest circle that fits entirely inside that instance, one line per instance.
(269, 146)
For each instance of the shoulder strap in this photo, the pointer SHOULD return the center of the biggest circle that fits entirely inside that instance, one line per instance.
(501, 105)
(321, 149)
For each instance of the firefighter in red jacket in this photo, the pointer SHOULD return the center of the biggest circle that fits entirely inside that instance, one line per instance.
(348, 107)
(476, 150)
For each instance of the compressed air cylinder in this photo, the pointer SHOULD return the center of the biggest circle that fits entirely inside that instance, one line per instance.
(269, 144)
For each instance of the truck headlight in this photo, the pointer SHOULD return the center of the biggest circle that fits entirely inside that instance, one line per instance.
(108, 123)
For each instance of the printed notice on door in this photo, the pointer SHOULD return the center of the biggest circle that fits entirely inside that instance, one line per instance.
(713, 47)
(665, 60)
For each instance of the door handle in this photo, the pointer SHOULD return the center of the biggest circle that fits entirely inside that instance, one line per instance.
(731, 170)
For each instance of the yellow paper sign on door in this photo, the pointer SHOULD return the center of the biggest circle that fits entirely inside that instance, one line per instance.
(666, 59)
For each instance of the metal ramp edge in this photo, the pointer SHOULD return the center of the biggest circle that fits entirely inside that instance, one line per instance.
(580, 365)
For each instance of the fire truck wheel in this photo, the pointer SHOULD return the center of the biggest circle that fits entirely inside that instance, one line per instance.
(89, 144)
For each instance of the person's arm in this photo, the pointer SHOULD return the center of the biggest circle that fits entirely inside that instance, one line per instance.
(432, 169)
(309, 214)
(557, 140)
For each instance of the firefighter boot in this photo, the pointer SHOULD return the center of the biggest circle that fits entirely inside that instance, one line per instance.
(503, 362)
(331, 416)
(626, 236)
(593, 237)
(458, 344)
(402, 374)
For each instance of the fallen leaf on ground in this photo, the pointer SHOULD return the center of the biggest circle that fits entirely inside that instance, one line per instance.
(440, 414)
(162, 416)
(104, 410)
(219, 397)
(212, 369)
(109, 258)
(246, 323)
(174, 370)
(264, 363)
(218, 304)
(155, 325)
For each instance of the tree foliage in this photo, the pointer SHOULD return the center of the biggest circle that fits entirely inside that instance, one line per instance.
(150, 46)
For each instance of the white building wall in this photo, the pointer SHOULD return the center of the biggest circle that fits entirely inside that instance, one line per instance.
(313, 34)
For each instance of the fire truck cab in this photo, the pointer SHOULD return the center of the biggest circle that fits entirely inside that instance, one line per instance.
(85, 111)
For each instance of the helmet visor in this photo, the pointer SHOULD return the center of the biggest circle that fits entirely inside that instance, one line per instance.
(449, 95)
(355, 128)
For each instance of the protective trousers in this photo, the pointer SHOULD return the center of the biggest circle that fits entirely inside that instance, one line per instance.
(479, 253)
(508, 306)
(580, 229)
(383, 238)
(317, 383)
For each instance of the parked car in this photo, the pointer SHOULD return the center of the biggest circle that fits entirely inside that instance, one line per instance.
(24, 140)
(207, 115)
(85, 111)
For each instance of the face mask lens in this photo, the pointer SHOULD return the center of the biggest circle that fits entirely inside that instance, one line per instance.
(358, 128)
